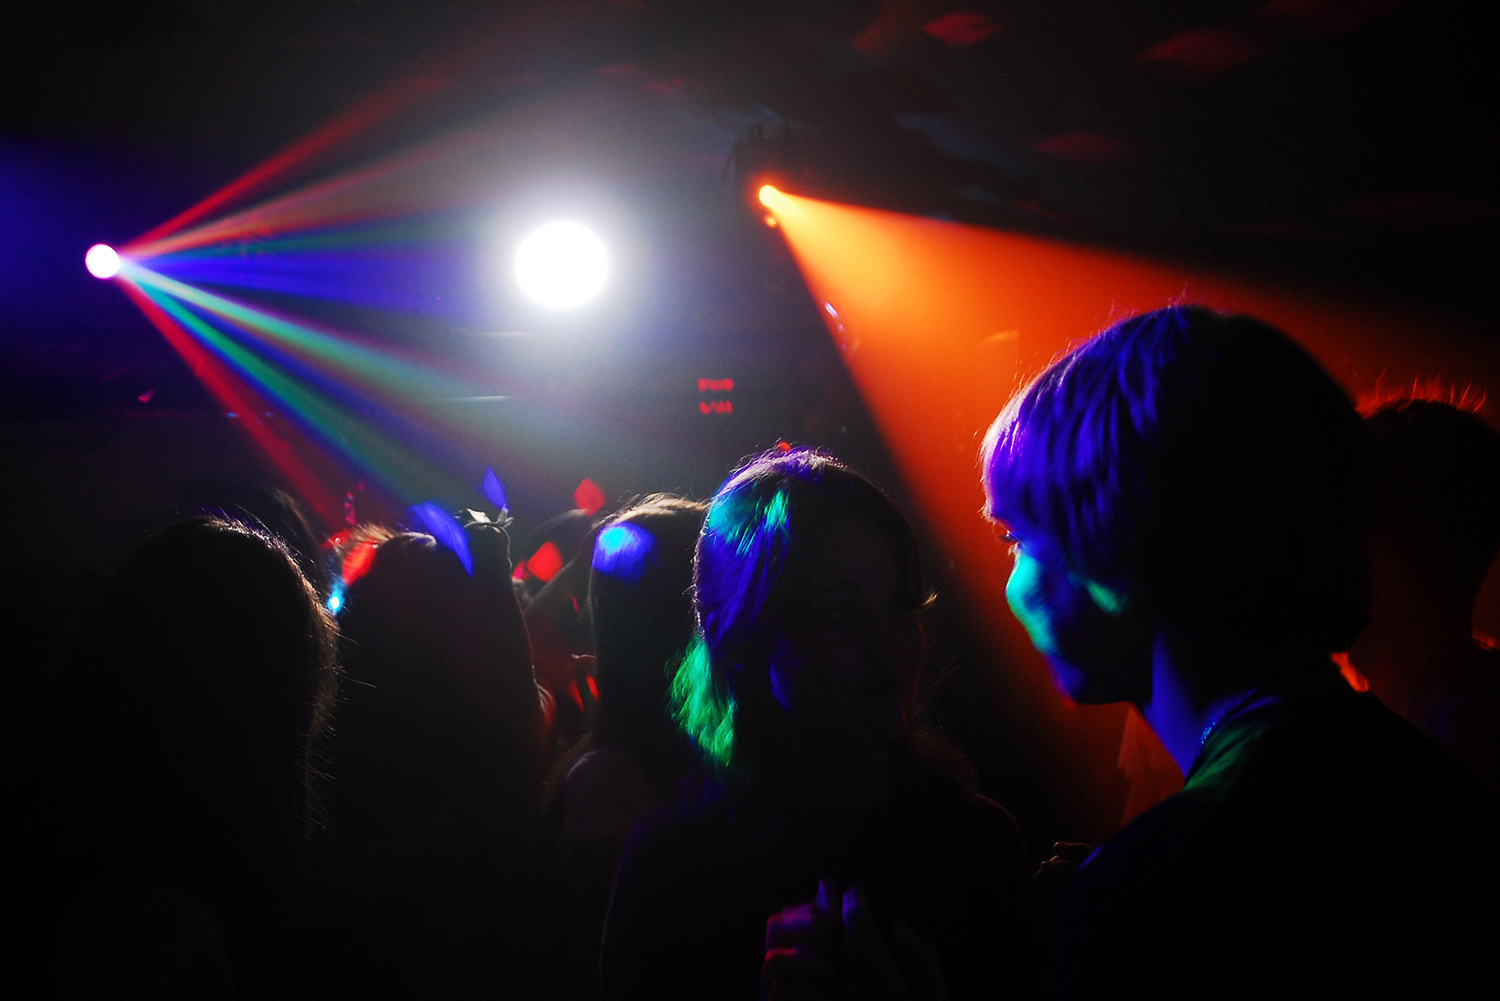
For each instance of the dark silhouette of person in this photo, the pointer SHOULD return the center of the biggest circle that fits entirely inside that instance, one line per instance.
(434, 778)
(799, 690)
(1436, 533)
(634, 757)
(184, 761)
(269, 509)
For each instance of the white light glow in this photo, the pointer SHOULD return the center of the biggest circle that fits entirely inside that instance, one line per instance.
(562, 265)
(102, 261)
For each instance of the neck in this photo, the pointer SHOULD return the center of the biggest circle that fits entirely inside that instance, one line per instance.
(844, 778)
(1413, 654)
(1197, 684)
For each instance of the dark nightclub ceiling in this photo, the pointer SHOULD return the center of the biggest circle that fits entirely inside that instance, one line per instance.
(1318, 131)
(1347, 143)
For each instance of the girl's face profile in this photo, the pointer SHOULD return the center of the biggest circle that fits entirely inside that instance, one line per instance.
(846, 659)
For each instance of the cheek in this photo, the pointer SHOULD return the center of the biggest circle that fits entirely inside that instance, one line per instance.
(784, 677)
(1069, 680)
(916, 646)
(1028, 601)
(796, 684)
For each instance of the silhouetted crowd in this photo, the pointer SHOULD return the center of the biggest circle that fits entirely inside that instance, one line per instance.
(690, 763)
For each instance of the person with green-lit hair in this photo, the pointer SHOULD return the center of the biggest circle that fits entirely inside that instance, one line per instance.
(800, 692)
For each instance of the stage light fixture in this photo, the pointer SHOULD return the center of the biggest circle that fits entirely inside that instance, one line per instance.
(562, 265)
(102, 261)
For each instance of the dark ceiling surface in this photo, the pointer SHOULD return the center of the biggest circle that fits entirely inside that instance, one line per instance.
(1348, 142)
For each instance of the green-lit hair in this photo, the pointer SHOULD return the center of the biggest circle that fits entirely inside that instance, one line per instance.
(753, 524)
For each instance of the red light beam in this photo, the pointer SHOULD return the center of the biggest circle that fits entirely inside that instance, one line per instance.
(236, 397)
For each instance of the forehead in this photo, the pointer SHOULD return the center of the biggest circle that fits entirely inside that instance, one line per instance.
(846, 552)
(986, 481)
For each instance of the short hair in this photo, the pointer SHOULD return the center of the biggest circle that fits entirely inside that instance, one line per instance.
(1201, 463)
(749, 540)
(1440, 500)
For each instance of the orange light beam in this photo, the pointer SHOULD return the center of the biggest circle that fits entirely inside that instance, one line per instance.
(939, 322)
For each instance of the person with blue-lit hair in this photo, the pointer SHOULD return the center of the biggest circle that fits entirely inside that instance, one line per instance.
(800, 693)
(634, 757)
(1187, 497)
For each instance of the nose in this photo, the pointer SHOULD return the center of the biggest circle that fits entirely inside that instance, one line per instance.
(897, 645)
(1025, 593)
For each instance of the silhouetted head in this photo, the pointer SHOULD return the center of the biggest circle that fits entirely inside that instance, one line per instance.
(1190, 468)
(258, 503)
(807, 585)
(441, 710)
(641, 604)
(1439, 510)
(207, 675)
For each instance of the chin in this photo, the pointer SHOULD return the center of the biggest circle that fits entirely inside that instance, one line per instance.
(880, 726)
(1070, 682)
(1088, 688)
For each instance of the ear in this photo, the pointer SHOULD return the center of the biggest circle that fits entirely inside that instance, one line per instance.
(1110, 601)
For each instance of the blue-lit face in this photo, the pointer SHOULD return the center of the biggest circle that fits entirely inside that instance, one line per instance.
(1096, 650)
(845, 663)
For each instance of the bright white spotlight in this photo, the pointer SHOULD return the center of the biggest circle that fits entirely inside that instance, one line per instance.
(102, 261)
(562, 265)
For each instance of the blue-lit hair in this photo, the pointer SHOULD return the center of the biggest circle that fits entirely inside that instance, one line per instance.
(749, 541)
(623, 551)
(1203, 465)
(640, 604)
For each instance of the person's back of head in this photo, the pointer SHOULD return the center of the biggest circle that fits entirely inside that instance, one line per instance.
(640, 602)
(269, 508)
(1439, 510)
(442, 707)
(406, 602)
(207, 675)
(1436, 531)
(1204, 466)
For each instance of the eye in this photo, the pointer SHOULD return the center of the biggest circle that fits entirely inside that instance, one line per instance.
(834, 611)
(836, 614)
(901, 607)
